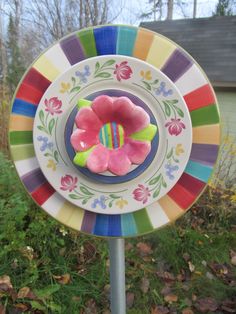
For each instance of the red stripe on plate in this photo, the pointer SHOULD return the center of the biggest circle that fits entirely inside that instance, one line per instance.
(29, 94)
(181, 196)
(36, 80)
(200, 97)
(43, 193)
(193, 185)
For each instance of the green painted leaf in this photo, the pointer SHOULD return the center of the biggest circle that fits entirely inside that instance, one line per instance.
(110, 204)
(41, 116)
(42, 128)
(97, 66)
(51, 125)
(179, 111)
(108, 63)
(74, 196)
(157, 192)
(75, 89)
(147, 85)
(85, 201)
(155, 180)
(103, 75)
(163, 183)
(146, 134)
(56, 155)
(73, 80)
(168, 156)
(114, 196)
(85, 190)
(155, 82)
(167, 109)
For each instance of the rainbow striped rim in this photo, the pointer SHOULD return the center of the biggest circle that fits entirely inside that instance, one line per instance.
(163, 54)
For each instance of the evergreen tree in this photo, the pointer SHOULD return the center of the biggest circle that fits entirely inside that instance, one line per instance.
(15, 67)
(223, 8)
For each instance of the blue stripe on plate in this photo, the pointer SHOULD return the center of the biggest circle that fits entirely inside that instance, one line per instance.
(199, 171)
(24, 108)
(101, 225)
(126, 40)
(128, 225)
(114, 226)
(105, 38)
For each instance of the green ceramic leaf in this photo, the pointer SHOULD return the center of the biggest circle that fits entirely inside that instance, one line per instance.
(179, 111)
(97, 66)
(83, 103)
(155, 180)
(167, 109)
(103, 75)
(41, 116)
(51, 126)
(85, 190)
(56, 155)
(114, 196)
(75, 89)
(147, 85)
(74, 196)
(157, 192)
(80, 158)
(170, 153)
(41, 128)
(108, 63)
(146, 134)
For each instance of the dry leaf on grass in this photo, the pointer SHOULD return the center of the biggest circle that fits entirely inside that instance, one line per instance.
(159, 309)
(129, 299)
(63, 279)
(144, 285)
(144, 249)
(206, 305)
(187, 311)
(166, 276)
(91, 307)
(5, 283)
(21, 307)
(170, 298)
(229, 306)
(25, 292)
(166, 290)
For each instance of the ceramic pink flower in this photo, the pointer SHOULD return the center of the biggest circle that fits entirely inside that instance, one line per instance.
(175, 126)
(68, 183)
(141, 193)
(53, 105)
(111, 135)
(123, 71)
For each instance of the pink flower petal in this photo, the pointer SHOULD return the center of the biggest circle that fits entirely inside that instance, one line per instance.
(103, 107)
(98, 159)
(119, 163)
(123, 109)
(136, 151)
(86, 119)
(82, 140)
(137, 121)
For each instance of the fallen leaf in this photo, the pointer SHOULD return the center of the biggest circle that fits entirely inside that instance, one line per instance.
(191, 266)
(209, 275)
(129, 299)
(144, 249)
(194, 297)
(22, 307)
(91, 307)
(63, 279)
(5, 283)
(166, 276)
(171, 298)
(233, 260)
(206, 305)
(186, 257)
(144, 285)
(159, 309)
(225, 272)
(187, 311)
(128, 246)
(166, 290)
(229, 306)
(2, 309)
(232, 253)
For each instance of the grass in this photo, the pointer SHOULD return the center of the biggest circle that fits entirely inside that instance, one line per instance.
(69, 273)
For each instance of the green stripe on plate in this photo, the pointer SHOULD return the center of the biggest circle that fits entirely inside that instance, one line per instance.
(87, 40)
(21, 137)
(142, 221)
(21, 152)
(205, 115)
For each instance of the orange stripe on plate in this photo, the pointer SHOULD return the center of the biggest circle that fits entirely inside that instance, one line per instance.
(207, 134)
(20, 123)
(200, 97)
(172, 210)
(143, 43)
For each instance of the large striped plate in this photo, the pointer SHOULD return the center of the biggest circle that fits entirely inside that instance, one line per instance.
(161, 53)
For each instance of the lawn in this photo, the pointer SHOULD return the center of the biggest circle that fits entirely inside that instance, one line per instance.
(185, 268)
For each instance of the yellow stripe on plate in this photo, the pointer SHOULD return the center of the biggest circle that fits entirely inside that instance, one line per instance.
(46, 68)
(207, 134)
(71, 215)
(20, 123)
(161, 49)
(172, 210)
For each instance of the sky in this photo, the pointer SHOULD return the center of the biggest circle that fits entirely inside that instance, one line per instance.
(132, 9)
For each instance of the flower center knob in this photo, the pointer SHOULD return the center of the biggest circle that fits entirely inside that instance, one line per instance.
(111, 135)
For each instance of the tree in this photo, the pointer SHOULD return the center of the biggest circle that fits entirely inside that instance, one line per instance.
(223, 8)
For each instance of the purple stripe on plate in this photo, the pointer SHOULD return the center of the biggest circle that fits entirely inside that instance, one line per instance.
(33, 179)
(177, 65)
(204, 153)
(72, 49)
(88, 222)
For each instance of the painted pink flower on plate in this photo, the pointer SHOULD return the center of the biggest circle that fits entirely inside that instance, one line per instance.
(53, 105)
(68, 183)
(141, 194)
(108, 138)
(123, 71)
(175, 126)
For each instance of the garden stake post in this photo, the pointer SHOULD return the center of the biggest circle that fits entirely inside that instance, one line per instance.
(117, 275)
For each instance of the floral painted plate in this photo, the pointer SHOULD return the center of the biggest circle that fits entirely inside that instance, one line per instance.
(182, 104)
(163, 102)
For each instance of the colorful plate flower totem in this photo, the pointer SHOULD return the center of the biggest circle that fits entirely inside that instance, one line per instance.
(114, 131)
